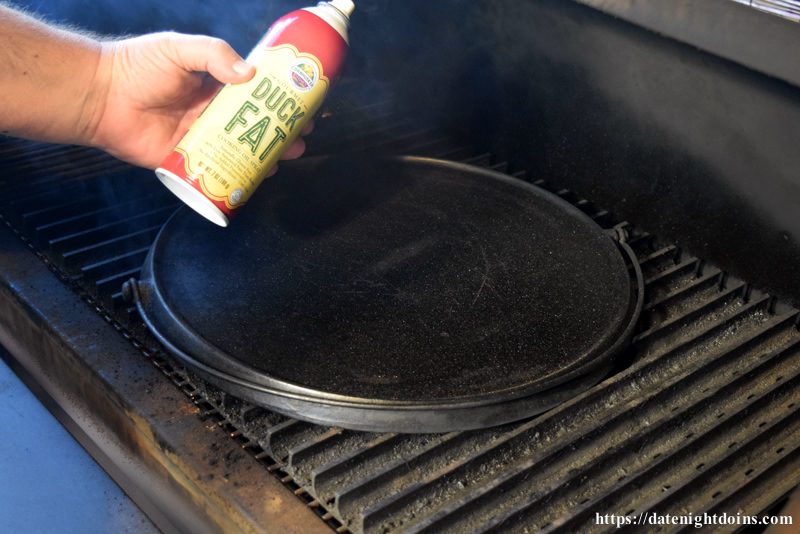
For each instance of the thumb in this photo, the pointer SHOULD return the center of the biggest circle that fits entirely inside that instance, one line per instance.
(199, 53)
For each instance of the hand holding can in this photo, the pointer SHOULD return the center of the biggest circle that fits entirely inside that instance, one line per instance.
(245, 129)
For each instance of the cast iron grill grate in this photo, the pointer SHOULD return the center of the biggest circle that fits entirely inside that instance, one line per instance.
(703, 416)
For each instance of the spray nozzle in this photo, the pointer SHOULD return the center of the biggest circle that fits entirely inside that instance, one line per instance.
(346, 7)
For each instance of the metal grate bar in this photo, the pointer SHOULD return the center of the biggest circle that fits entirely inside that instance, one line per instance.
(691, 475)
(41, 176)
(109, 284)
(669, 252)
(307, 456)
(104, 248)
(335, 472)
(561, 464)
(400, 472)
(285, 436)
(44, 196)
(657, 450)
(718, 303)
(22, 156)
(758, 491)
(98, 232)
(665, 273)
(109, 213)
(15, 151)
(709, 278)
(108, 266)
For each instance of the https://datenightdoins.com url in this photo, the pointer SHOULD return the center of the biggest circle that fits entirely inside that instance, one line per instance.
(693, 520)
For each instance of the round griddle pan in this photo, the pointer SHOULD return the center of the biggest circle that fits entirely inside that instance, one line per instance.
(393, 294)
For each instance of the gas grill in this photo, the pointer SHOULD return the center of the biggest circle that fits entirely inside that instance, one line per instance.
(700, 414)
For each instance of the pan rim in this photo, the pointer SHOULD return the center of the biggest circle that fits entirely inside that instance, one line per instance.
(155, 309)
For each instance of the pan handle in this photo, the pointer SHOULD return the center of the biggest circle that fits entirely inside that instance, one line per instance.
(131, 291)
(619, 234)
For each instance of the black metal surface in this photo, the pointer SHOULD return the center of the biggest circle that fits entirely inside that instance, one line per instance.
(727, 28)
(403, 294)
(704, 418)
(697, 149)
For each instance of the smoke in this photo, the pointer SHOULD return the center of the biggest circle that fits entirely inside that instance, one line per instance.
(239, 22)
(412, 55)
(390, 40)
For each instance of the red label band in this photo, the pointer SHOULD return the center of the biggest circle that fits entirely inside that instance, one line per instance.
(176, 164)
(312, 35)
(194, 160)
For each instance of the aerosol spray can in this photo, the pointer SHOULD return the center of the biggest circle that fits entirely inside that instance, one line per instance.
(242, 133)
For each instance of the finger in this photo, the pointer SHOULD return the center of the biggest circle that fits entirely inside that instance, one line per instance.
(308, 128)
(272, 171)
(199, 53)
(295, 150)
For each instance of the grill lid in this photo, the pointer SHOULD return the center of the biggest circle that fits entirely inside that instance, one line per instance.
(401, 294)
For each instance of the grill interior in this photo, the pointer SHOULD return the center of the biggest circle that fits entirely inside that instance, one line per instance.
(703, 413)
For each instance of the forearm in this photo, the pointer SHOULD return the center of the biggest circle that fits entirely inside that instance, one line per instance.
(48, 81)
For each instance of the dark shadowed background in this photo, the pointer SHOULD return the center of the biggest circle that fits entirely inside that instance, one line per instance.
(695, 148)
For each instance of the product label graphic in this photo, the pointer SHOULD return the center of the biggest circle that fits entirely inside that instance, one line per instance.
(240, 135)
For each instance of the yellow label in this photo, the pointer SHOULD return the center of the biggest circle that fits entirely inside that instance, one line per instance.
(242, 133)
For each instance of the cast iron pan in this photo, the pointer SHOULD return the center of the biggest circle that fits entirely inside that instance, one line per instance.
(397, 294)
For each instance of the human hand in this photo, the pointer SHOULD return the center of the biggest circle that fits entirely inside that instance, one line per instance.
(155, 86)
